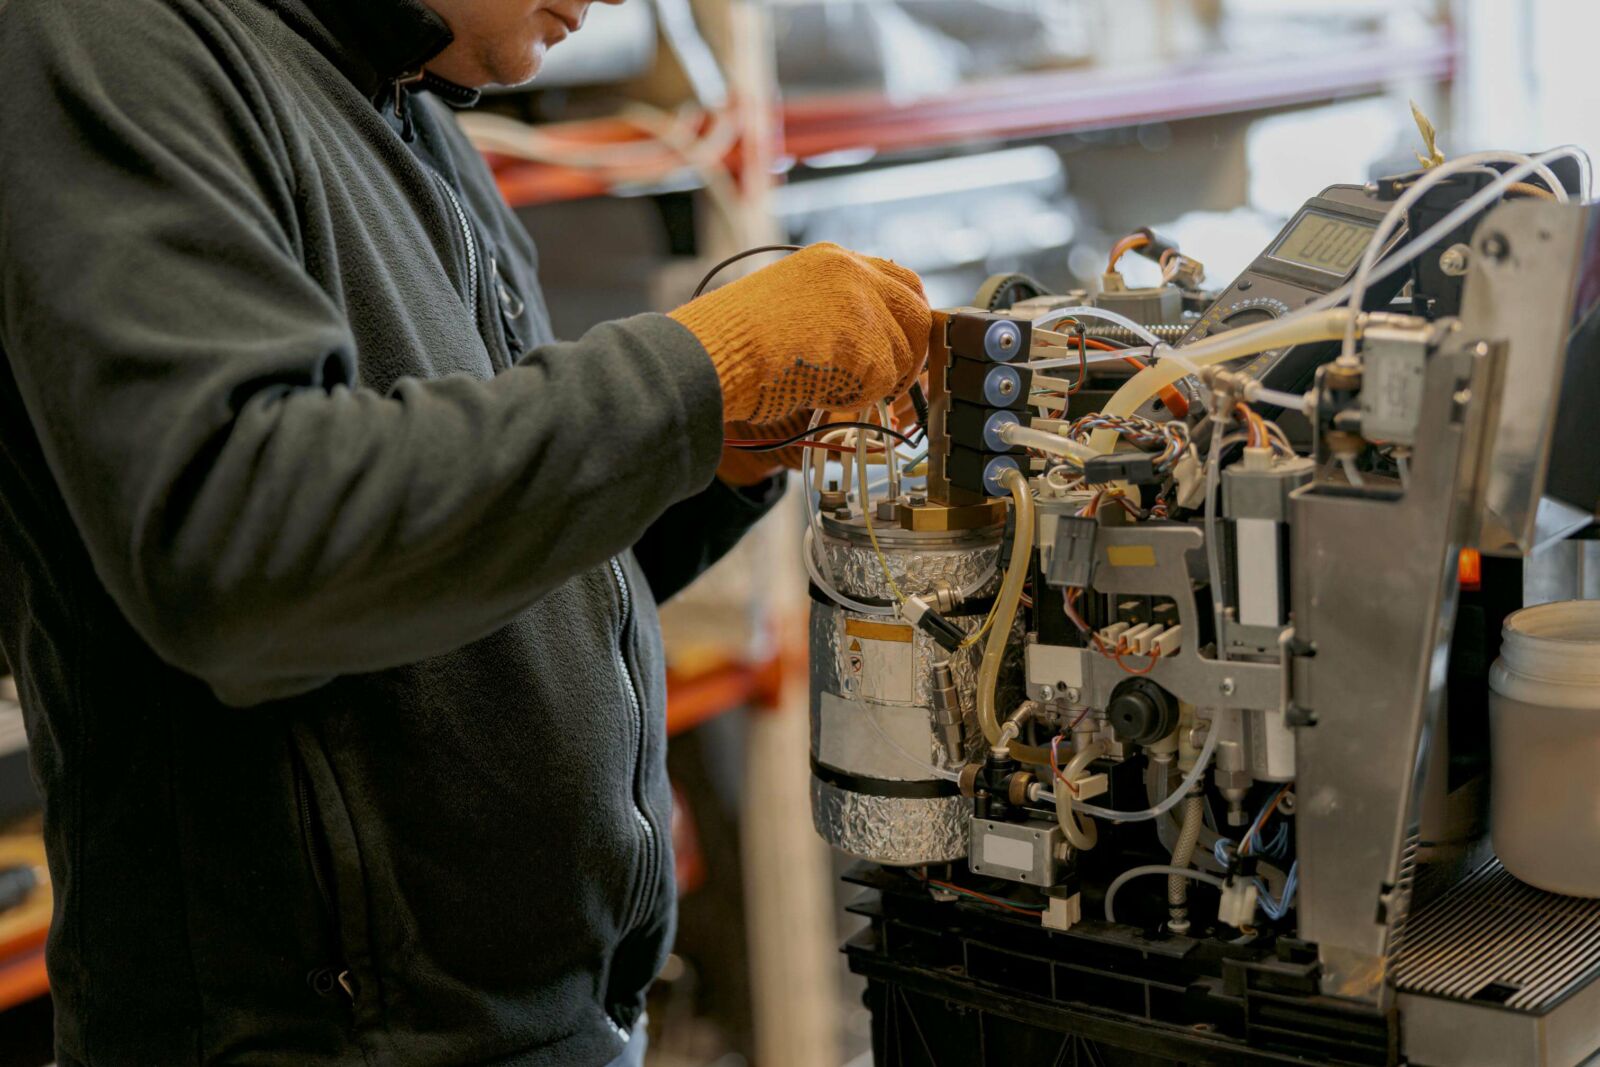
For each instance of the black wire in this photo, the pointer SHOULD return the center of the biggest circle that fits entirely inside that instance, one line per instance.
(824, 428)
(919, 403)
(718, 269)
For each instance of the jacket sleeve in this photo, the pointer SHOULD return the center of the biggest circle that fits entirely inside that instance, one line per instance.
(693, 534)
(264, 521)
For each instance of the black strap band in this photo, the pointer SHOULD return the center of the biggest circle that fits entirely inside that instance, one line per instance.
(883, 787)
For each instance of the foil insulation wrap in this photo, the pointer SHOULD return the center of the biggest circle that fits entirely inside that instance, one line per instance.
(874, 747)
(893, 831)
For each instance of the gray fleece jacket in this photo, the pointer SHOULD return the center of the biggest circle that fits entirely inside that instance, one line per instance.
(329, 578)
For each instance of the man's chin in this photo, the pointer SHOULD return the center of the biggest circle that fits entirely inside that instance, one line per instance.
(523, 69)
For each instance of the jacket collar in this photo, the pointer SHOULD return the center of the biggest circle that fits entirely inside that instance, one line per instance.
(378, 44)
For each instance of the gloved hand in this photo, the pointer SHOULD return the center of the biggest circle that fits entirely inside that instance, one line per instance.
(741, 467)
(824, 327)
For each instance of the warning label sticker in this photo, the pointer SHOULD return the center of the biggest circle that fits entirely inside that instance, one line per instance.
(879, 660)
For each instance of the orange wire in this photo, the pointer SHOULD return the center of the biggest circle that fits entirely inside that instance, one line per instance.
(1128, 244)
(1100, 646)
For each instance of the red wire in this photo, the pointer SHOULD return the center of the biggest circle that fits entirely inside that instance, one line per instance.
(996, 901)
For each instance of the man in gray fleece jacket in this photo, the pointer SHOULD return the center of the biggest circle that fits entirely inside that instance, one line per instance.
(329, 575)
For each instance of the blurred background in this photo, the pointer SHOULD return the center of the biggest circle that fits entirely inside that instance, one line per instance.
(962, 138)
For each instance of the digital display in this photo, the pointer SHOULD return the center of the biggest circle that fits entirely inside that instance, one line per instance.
(1325, 243)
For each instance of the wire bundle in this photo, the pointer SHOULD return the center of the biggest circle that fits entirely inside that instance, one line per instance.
(1172, 438)
(1275, 846)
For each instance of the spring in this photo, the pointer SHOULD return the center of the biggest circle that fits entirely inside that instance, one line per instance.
(1167, 331)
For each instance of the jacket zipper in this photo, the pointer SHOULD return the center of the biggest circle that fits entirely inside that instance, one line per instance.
(341, 975)
(472, 246)
(652, 851)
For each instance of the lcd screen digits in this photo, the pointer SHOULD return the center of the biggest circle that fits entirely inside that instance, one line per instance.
(1324, 243)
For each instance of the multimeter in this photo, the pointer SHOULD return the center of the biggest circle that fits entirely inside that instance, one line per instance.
(1317, 252)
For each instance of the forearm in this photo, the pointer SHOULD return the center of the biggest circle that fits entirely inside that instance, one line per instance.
(342, 531)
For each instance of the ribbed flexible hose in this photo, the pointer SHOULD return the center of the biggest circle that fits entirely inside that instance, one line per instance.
(1006, 614)
(1183, 852)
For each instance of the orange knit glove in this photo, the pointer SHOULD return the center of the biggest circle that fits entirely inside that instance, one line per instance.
(824, 327)
(743, 467)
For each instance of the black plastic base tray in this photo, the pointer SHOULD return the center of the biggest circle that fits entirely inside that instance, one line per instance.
(958, 985)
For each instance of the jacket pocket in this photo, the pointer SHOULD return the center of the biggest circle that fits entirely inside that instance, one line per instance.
(328, 836)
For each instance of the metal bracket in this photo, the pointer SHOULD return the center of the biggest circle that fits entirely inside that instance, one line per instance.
(1151, 560)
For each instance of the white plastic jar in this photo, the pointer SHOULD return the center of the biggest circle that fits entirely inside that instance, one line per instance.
(1544, 718)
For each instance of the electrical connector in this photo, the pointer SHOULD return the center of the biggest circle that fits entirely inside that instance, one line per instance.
(1138, 468)
(1238, 905)
(1190, 475)
(1072, 562)
(923, 616)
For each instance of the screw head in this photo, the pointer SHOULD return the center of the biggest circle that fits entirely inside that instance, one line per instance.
(1495, 246)
(1073, 695)
(1453, 260)
(1047, 692)
(1007, 387)
(1227, 687)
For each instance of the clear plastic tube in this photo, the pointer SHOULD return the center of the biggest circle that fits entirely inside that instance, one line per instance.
(808, 552)
(1259, 393)
(1080, 830)
(1045, 321)
(1190, 780)
(1005, 614)
(1055, 444)
(1326, 325)
(1145, 384)
(1157, 868)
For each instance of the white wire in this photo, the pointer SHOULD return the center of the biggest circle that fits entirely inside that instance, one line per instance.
(1049, 319)
(1099, 357)
(1397, 213)
(1352, 475)
(816, 561)
(937, 772)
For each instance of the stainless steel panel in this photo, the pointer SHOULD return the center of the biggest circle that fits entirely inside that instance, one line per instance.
(1520, 289)
(1375, 594)
(1206, 683)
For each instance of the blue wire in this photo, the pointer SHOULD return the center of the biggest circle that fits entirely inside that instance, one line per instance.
(1277, 909)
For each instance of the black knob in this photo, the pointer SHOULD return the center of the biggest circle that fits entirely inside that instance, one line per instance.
(1142, 712)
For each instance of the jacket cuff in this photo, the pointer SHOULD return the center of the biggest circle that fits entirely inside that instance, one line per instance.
(699, 392)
